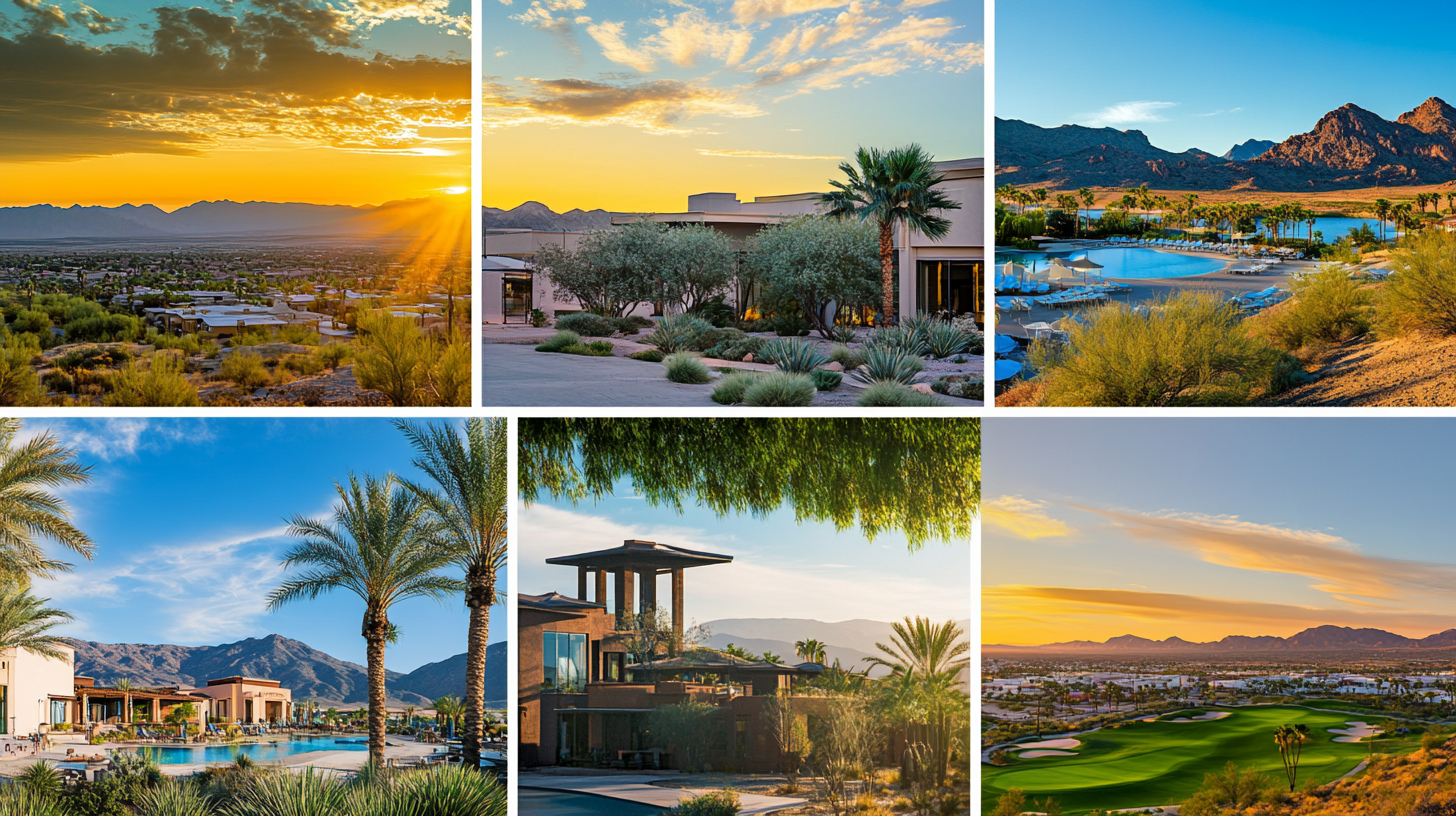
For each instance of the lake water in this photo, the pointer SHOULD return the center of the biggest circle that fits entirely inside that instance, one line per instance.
(537, 802)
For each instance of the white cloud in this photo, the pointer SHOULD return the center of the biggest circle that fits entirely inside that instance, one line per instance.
(753, 11)
(1127, 113)
(761, 154)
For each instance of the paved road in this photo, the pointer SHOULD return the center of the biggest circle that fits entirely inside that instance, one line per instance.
(632, 789)
(520, 376)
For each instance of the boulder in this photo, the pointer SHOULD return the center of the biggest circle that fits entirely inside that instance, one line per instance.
(833, 366)
(923, 388)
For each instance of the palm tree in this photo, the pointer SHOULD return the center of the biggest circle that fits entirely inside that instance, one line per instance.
(1088, 198)
(1382, 211)
(469, 499)
(29, 508)
(1290, 739)
(26, 623)
(811, 650)
(448, 708)
(1451, 202)
(891, 187)
(383, 545)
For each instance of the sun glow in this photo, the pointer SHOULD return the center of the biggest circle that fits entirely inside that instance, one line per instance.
(454, 190)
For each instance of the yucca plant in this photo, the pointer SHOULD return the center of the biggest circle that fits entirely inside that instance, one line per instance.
(288, 794)
(898, 338)
(918, 324)
(686, 368)
(843, 334)
(944, 340)
(40, 779)
(679, 332)
(20, 800)
(173, 797)
(883, 364)
(793, 356)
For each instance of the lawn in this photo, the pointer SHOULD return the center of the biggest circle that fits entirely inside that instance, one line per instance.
(1143, 764)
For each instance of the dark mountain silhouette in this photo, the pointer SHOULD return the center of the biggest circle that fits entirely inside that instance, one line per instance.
(307, 672)
(1319, 638)
(1252, 149)
(1349, 147)
(534, 215)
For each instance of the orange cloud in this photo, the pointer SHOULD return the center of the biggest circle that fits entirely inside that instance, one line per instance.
(659, 106)
(754, 11)
(1023, 518)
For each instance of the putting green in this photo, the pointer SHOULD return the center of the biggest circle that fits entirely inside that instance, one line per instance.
(1142, 764)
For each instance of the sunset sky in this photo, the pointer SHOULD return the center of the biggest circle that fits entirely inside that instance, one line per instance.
(137, 101)
(1210, 527)
(632, 106)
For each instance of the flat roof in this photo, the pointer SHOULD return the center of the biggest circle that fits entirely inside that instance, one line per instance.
(238, 678)
(556, 602)
(635, 553)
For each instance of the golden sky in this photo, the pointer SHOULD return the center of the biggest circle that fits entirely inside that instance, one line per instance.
(270, 100)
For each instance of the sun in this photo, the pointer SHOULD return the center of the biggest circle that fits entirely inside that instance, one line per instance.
(454, 190)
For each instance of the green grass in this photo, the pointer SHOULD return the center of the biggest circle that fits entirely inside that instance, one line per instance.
(1143, 764)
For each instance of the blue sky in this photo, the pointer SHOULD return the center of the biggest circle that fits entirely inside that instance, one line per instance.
(189, 520)
(1209, 527)
(780, 569)
(1212, 73)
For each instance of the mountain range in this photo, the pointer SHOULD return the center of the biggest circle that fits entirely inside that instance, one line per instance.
(1319, 638)
(226, 218)
(852, 642)
(533, 215)
(309, 673)
(1348, 148)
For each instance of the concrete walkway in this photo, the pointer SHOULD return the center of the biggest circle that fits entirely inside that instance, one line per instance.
(632, 789)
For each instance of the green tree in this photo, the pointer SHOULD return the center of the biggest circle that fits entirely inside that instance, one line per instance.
(889, 188)
(697, 263)
(448, 708)
(815, 265)
(605, 273)
(683, 728)
(811, 650)
(382, 545)
(468, 496)
(918, 476)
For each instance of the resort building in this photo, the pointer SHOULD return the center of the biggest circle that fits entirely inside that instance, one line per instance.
(94, 704)
(33, 689)
(248, 700)
(945, 275)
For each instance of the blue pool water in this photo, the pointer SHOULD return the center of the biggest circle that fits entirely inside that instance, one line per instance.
(537, 802)
(259, 752)
(1333, 228)
(1141, 264)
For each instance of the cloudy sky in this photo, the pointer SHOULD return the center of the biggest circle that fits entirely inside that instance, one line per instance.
(1214, 73)
(780, 569)
(1205, 528)
(189, 520)
(320, 101)
(630, 105)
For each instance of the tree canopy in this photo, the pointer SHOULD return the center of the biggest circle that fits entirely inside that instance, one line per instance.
(921, 477)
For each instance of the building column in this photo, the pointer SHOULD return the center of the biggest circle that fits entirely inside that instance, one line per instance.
(647, 591)
(601, 597)
(677, 609)
(623, 595)
(581, 583)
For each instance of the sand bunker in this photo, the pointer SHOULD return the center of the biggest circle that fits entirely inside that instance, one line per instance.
(1212, 715)
(1356, 732)
(1035, 754)
(1056, 744)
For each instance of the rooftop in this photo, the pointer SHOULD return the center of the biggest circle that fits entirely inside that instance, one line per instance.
(636, 553)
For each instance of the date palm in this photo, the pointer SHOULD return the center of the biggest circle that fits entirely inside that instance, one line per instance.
(449, 708)
(30, 510)
(468, 499)
(811, 650)
(892, 187)
(1382, 212)
(383, 545)
(26, 623)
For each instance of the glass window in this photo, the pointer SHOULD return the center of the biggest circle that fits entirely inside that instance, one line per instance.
(58, 711)
(951, 287)
(564, 662)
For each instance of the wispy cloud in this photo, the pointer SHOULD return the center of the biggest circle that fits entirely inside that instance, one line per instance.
(1220, 112)
(761, 154)
(753, 11)
(661, 106)
(1023, 518)
(1127, 113)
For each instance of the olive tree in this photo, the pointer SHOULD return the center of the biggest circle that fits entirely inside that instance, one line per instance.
(696, 264)
(611, 272)
(816, 264)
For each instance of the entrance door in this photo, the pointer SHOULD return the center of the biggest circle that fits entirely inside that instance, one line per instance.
(516, 292)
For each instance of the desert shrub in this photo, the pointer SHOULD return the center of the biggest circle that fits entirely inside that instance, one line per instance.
(20, 800)
(648, 356)
(1420, 297)
(779, 389)
(295, 794)
(559, 341)
(898, 338)
(59, 381)
(960, 385)
(332, 355)
(686, 368)
(891, 394)
(305, 364)
(735, 347)
(111, 796)
(104, 328)
(250, 337)
(1191, 349)
(19, 384)
(1326, 307)
(826, 380)
(298, 334)
(843, 334)
(187, 343)
(245, 370)
(789, 325)
(730, 387)
(447, 791)
(632, 324)
(888, 364)
(1232, 789)
(40, 779)
(1011, 803)
(679, 332)
(944, 340)
(34, 322)
(792, 356)
(161, 383)
(587, 324)
(91, 357)
(713, 803)
(174, 797)
(449, 374)
(1434, 737)
(847, 357)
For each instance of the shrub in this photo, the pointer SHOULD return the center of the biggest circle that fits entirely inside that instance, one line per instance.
(891, 394)
(790, 325)
(538, 318)
(559, 341)
(304, 364)
(19, 384)
(843, 334)
(944, 340)
(174, 797)
(713, 803)
(250, 337)
(826, 380)
(713, 310)
(245, 369)
(187, 343)
(20, 800)
(162, 383)
(31, 321)
(960, 385)
(397, 359)
(886, 364)
(104, 328)
(1421, 296)
(730, 387)
(686, 368)
(898, 338)
(779, 389)
(631, 324)
(298, 334)
(59, 381)
(1326, 307)
(332, 355)
(1191, 349)
(648, 356)
(735, 347)
(792, 356)
(586, 324)
(679, 332)
(90, 357)
(41, 780)
(297, 794)
(450, 374)
(845, 356)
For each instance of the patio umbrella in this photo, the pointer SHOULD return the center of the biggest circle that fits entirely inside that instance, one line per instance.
(1085, 265)
(1058, 271)
(1005, 344)
(1006, 369)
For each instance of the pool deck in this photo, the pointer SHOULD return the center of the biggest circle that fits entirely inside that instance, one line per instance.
(633, 789)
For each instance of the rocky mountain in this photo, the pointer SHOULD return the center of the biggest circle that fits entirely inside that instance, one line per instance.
(307, 672)
(1252, 149)
(851, 641)
(534, 215)
(1349, 147)
(1319, 638)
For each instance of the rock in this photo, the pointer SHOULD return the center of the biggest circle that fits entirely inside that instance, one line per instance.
(748, 358)
(261, 393)
(923, 388)
(833, 367)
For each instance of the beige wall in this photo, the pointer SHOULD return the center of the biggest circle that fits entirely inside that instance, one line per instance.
(234, 697)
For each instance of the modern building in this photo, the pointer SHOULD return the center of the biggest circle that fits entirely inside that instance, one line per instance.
(946, 275)
(248, 700)
(35, 689)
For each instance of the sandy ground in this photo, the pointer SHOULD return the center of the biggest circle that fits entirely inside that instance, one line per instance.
(1390, 373)
(1212, 715)
(1035, 754)
(1357, 731)
(1056, 744)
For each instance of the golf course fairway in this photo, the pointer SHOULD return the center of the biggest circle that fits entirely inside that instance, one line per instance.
(1142, 764)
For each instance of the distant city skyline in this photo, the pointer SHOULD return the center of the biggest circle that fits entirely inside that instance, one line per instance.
(1204, 528)
(137, 102)
(1210, 74)
(629, 107)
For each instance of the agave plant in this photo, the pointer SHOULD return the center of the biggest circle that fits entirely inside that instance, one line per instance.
(918, 324)
(287, 794)
(898, 338)
(885, 364)
(447, 791)
(793, 356)
(679, 332)
(945, 340)
(19, 800)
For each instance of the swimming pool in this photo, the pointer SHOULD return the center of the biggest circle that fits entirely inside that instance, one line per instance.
(258, 751)
(539, 802)
(1135, 263)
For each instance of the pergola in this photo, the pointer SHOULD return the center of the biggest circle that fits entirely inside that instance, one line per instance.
(125, 701)
(646, 560)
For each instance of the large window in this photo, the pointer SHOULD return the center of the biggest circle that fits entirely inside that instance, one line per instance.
(58, 712)
(563, 658)
(949, 286)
